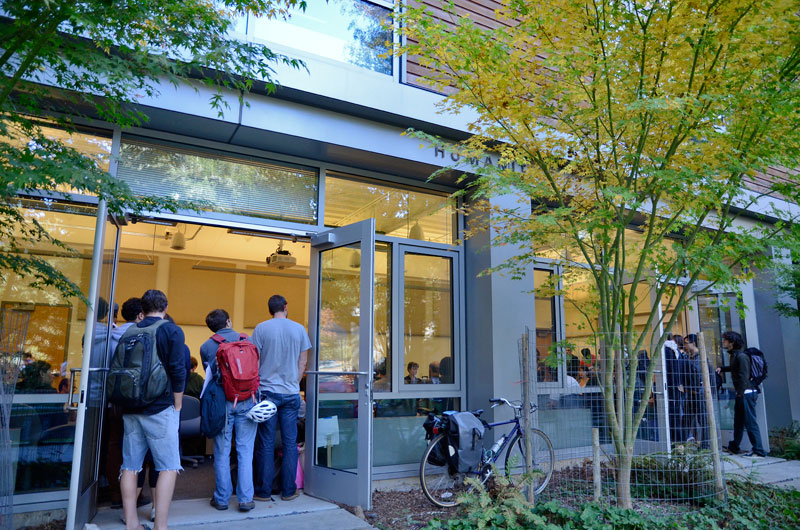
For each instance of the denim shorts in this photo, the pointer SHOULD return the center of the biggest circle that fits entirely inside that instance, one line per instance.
(159, 433)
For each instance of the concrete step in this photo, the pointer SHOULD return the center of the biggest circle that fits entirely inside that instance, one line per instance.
(303, 512)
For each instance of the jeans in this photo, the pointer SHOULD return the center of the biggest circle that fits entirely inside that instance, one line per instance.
(245, 437)
(288, 407)
(744, 417)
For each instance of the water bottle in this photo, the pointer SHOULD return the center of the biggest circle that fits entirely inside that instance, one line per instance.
(496, 447)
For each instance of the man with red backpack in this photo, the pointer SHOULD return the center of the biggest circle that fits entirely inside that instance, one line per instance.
(235, 362)
(283, 346)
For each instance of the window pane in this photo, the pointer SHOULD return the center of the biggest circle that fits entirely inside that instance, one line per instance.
(350, 31)
(546, 368)
(382, 341)
(398, 212)
(428, 320)
(668, 302)
(580, 324)
(397, 426)
(233, 185)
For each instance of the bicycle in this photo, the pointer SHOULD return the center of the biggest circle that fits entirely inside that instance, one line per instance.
(442, 485)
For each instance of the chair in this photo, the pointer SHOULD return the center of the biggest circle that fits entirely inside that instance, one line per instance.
(190, 426)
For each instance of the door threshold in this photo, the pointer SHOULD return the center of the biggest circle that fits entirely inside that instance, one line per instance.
(196, 512)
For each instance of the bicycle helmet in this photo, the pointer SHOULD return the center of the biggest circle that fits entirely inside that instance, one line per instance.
(262, 411)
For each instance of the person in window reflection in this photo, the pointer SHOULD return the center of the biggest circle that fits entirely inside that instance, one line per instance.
(433, 373)
(446, 370)
(35, 378)
(411, 378)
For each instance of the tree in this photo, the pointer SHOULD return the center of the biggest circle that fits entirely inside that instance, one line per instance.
(63, 61)
(632, 131)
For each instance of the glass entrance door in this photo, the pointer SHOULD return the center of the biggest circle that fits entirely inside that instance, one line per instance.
(90, 378)
(339, 387)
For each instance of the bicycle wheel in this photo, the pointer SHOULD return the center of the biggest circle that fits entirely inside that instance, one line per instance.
(542, 459)
(439, 485)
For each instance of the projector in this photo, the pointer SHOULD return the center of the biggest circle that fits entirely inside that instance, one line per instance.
(281, 259)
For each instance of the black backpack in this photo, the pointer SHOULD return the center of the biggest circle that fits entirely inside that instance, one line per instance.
(136, 377)
(758, 366)
(439, 456)
(212, 405)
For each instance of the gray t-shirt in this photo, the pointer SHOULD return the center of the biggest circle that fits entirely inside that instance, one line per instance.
(208, 351)
(279, 342)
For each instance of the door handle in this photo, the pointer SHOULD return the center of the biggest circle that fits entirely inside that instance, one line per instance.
(70, 401)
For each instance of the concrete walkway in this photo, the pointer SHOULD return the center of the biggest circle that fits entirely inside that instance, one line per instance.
(767, 470)
(302, 513)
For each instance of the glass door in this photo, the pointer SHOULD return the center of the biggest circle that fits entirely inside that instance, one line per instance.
(339, 387)
(90, 378)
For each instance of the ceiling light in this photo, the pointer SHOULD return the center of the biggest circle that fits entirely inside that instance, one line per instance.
(178, 241)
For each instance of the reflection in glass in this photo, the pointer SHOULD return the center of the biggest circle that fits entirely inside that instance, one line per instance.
(349, 31)
(428, 318)
(398, 212)
(546, 368)
(397, 425)
(382, 340)
(580, 324)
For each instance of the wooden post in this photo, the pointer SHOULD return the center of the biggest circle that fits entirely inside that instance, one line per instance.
(596, 463)
(526, 414)
(719, 485)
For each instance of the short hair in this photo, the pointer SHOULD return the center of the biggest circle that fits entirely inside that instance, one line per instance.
(276, 304)
(154, 301)
(411, 365)
(217, 319)
(131, 309)
(193, 363)
(691, 338)
(433, 369)
(735, 338)
(678, 340)
(102, 309)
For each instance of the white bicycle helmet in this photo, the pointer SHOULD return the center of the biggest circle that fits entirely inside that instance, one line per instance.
(262, 411)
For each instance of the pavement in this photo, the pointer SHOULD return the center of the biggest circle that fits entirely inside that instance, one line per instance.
(300, 514)
(767, 470)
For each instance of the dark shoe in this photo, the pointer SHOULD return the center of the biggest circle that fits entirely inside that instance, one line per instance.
(727, 449)
(218, 506)
(291, 497)
(753, 453)
(262, 499)
(246, 506)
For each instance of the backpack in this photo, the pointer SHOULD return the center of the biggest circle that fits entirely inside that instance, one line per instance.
(465, 436)
(238, 367)
(212, 405)
(439, 455)
(136, 376)
(758, 367)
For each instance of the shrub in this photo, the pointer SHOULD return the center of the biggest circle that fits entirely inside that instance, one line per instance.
(785, 441)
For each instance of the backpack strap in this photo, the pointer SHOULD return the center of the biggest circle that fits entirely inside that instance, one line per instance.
(242, 336)
(219, 339)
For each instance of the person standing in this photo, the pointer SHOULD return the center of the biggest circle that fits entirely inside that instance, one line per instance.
(676, 371)
(155, 426)
(696, 415)
(744, 409)
(283, 346)
(237, 419)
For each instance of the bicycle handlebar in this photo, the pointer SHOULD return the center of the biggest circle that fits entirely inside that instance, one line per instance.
(497, 401)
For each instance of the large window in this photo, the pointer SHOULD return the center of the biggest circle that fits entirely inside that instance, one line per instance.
(398, 211)
(350, 31)
(256, 188)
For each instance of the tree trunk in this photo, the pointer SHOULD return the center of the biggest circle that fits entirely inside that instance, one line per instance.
(624, 463)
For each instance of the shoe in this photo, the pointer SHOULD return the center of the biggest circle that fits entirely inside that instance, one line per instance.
(753, 453)
(153, 514)
(262, 499)
(291, 497)
(218, 506)
(246, 506)
(730, 451)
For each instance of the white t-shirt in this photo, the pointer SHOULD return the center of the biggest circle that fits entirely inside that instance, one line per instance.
(279, 342)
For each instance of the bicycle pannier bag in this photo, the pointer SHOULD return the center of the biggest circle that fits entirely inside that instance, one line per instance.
(466, 438)
(238, 365)
(136, 377)
(438, 456)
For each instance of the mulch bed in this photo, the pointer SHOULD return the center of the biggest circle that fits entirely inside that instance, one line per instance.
(403, 510)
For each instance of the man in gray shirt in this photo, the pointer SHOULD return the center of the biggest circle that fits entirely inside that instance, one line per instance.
(283, 346)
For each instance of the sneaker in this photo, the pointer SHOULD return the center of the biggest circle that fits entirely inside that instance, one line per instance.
(246, 506)
(690, 439)
(218, 506)
(262, 499)
(291, 497)
(753, 453)
(727, 449)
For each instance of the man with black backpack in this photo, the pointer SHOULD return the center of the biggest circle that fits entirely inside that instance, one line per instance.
(150, 391)
(744, 411)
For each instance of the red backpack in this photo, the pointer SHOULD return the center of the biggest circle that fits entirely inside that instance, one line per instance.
(238, 365)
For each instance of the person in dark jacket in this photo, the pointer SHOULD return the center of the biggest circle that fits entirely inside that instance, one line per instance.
(155, 426)
(744, 409)
(696, 417)
(676, 371)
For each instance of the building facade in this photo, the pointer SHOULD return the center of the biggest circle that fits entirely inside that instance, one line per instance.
(314, 193)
